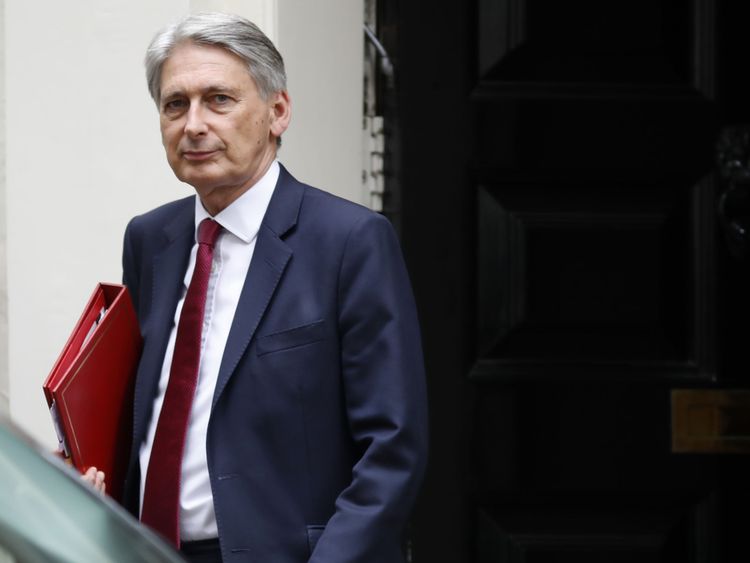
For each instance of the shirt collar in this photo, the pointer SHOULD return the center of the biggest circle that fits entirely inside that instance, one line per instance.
(243, 216)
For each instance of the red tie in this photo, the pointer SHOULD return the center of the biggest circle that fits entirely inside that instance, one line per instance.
(162, 492)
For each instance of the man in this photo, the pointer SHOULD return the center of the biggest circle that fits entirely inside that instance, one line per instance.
(306, 426)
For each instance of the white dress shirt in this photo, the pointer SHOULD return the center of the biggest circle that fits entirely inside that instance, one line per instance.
(231, 261)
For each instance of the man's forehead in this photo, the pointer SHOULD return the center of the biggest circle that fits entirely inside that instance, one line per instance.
(204, 67)
(190, 53)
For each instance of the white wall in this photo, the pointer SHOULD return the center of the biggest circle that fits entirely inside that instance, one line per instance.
(323, 48)
(83, 154)
(4, 382)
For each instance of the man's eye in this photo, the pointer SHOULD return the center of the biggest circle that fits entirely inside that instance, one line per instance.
(174, 105)
(221, 99)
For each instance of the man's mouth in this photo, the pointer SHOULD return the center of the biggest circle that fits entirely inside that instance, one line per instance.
(198, 155)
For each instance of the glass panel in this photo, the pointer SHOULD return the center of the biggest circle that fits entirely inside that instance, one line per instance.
(48, 514)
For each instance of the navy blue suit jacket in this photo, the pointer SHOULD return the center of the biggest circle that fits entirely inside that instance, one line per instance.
(318, 432)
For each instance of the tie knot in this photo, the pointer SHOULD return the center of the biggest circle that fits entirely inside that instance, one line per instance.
(208, 232)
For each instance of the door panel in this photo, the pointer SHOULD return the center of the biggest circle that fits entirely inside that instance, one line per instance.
(557, 194)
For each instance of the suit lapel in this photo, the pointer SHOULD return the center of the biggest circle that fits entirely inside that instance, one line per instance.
(169, 265)
(269, 261)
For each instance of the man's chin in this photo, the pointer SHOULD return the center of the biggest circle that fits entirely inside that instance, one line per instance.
(199, 179)
(207, 185)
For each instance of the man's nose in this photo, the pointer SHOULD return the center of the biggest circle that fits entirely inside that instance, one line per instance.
(195, 124)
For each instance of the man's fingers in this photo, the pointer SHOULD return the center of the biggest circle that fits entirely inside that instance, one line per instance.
(95, 478)
(99, 481)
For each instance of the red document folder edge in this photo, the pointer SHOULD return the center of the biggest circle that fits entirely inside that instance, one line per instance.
(90, 388)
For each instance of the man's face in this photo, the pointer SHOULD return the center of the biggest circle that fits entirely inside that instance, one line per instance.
(219, 134)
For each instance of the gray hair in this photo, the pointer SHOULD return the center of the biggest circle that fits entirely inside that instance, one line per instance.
(233, 33)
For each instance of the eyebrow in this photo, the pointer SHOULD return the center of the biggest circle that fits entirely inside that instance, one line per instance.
(210, 89)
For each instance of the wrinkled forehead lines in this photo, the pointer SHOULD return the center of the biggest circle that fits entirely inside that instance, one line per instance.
(191, 66)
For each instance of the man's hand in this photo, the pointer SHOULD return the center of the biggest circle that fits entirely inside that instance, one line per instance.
(96, 479)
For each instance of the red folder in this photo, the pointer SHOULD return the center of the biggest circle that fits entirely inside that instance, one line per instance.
(90, 388)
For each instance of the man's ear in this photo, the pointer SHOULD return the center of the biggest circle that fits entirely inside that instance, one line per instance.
(281, 113)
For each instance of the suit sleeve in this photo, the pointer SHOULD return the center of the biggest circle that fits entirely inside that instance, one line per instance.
(385, 398)
(129, 271)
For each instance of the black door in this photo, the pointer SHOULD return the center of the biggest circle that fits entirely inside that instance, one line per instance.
(552, 173)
